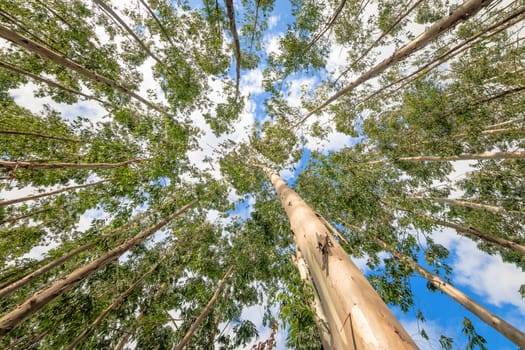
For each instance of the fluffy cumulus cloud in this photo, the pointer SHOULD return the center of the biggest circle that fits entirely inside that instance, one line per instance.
(497, 282)
(251, 82)
(24, 97)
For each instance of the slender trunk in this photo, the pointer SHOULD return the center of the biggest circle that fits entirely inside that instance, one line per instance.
(204, 312)
(505, 123)
(520, 249)
(378, 40)
(449, 54)
(356, 315)
(128, 332)
(108, 309)
(123, 24)
(475, 156)
(327, 26)
(233, 29)
(479, 156)
(24, 216)
(35, 134)
(47, 194)
(35, 340)
(460, 14)
(469, 204)
(51, 83)
(315, 305)
(500, 325)
(159, 23)
(61, 60)
(12, 165)
(470, 232)
(11, 287)
(44, 297)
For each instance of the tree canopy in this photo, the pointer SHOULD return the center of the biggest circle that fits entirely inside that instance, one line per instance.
(137, 209)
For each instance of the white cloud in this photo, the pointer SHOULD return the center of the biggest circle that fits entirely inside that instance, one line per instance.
(497, 282)
(24, 97)
(271, 44)
(433, 330)
(251, 82)
(272, 21)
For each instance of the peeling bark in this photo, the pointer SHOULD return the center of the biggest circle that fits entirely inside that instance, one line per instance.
(356, 315)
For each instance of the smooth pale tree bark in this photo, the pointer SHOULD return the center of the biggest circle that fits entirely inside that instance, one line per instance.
(204, 312)
(11, 165)
(476, 156)
(451, 53)
(378, 40)
(159, 23)
(505, 123)
(35, 134)
(469, 232)
(24, 216)
(47, 194)
(356, 315)
(127, 333)
(61, 60)
(10, 288)
(315, 305)
(45, 296)
(469, 204)
(500, 325)
(468, 9)
(123, 24)
(51, 83)
(109, 308)
(328, 25)
(233, 29)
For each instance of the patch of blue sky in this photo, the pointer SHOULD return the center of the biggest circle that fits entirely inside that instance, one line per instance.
(446, 314)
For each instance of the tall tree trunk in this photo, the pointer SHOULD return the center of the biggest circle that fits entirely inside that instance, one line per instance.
(51, 83)
(474, 156)
(468, 9)
(23, 216)
(500, 325)
(233, 29)
(61, 60)
(469, 204)
(123, 24)
(469, 232)
(47, 194)
(159, 23)
(11, 165)
(110, 307)
(315, 305)
(327, 26)
(44, 297)
(204, 312)
(128, 331)
(378, 40)
(35, 134)
(449, 54)
(15, 285)
(356, 315)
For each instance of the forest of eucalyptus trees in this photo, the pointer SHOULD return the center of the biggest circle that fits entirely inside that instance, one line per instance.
(141, 205)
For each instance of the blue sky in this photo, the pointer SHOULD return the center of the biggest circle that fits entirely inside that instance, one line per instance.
(485, 278)
(443, 315)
